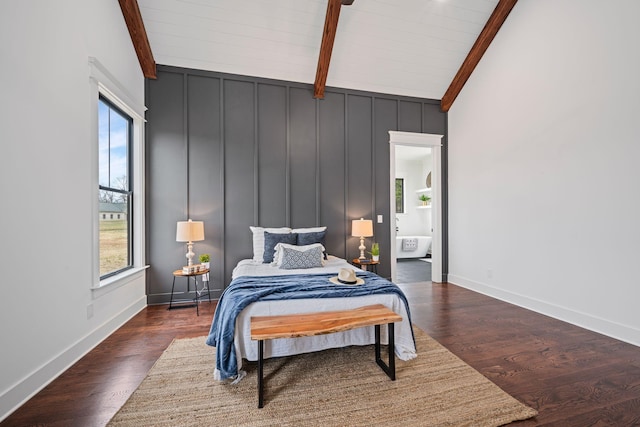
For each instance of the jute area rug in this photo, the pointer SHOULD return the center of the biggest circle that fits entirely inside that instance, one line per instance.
(340, 387)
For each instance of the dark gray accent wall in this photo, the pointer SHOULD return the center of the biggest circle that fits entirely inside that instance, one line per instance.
(235, 151)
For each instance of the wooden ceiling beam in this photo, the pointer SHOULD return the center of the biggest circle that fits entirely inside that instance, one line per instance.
(133, 18)
(495, 21)
(328, 37)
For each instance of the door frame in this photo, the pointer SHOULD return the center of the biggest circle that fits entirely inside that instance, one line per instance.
(433, 141)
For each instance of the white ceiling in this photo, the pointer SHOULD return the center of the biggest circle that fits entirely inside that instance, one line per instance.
(403, 47)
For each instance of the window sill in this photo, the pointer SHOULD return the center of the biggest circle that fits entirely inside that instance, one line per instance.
(114, 282)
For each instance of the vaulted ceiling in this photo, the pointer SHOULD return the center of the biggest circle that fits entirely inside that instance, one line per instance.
(404, 47)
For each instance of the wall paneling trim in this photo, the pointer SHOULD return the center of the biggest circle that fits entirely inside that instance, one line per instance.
(235, 151)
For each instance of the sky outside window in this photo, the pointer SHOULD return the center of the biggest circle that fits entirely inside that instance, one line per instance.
(113, 130)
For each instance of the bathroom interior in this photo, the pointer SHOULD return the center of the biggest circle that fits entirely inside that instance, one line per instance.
(413, 217)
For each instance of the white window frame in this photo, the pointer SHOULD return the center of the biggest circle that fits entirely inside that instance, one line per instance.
(103, 83)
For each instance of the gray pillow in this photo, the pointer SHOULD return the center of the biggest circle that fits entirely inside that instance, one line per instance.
(295, 258)
(311, 238)
(272, 239)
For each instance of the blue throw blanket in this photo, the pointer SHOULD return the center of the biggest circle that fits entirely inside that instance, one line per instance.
(248, 289)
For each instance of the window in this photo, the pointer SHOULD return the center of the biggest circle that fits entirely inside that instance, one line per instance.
(115, 136)
(117, 177)
(399, 195)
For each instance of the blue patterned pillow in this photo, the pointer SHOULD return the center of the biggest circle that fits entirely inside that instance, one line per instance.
(294, 258)
(272, 239)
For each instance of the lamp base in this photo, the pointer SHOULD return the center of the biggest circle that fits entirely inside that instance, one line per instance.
(190, 254)
(362, 247)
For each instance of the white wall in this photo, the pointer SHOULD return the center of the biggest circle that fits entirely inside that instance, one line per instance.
(47, 192)
(544, 183)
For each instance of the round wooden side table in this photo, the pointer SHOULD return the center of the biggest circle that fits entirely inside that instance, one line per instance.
(365, 264)
(195, 301)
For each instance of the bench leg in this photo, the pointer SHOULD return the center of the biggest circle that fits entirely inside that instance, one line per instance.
(260, 380)
(389, 369)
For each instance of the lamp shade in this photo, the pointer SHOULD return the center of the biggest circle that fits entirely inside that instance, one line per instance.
(190, 231)
(362, 228)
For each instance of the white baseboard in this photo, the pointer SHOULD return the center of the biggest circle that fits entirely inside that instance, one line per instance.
(16, 396)
(584, 320)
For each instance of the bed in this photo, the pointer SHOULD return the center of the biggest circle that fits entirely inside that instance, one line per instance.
(261, 288)
(290, 273)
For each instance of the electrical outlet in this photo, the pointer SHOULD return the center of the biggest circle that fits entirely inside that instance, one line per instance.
(489, 273)
(89, 311)
(379, 219)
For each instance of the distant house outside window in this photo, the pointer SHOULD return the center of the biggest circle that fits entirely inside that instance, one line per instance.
(115, 131)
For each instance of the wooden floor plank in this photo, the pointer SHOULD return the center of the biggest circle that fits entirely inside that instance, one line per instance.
(573, 377)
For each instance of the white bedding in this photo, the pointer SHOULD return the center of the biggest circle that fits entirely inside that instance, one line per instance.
(248, 349)
(249, 267)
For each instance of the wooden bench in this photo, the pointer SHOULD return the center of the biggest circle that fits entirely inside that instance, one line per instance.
(320, 323)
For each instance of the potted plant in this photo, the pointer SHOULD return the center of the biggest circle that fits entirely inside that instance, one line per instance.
(204, 260)
(425, 199)
(375, 252)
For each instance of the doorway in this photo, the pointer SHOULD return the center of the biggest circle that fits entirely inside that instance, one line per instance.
(416, 235)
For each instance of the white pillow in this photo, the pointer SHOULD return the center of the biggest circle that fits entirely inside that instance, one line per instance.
(258, 239)
(277, 255)
(308, 230)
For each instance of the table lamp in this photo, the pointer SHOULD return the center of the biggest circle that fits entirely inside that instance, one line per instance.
(190, 231)
(362, 228)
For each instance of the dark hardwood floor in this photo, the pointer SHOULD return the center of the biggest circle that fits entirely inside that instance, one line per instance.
(573, 377)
